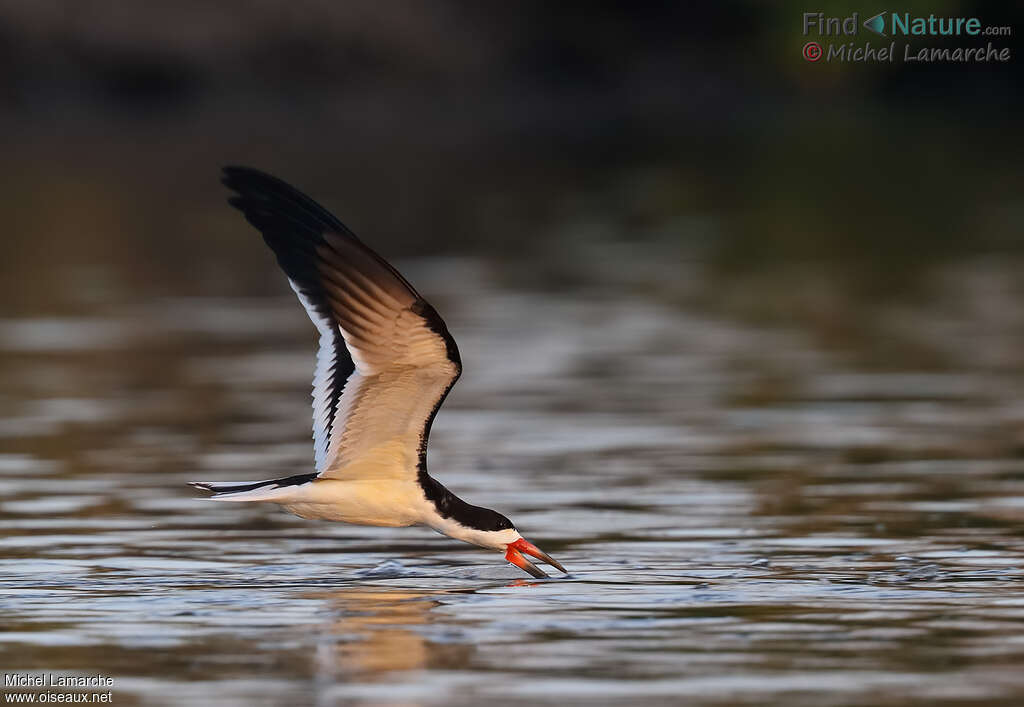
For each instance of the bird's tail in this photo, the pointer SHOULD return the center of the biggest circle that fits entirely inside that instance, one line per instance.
(269, 490)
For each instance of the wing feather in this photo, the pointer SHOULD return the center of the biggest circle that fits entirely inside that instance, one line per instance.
(386, 360)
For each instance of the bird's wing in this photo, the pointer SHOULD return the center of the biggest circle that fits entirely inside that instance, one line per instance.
(386, 359)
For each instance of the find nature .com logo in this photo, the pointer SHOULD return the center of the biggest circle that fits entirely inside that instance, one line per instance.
(896, 26)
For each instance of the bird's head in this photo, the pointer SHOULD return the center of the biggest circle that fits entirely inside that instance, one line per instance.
(504, 536)
(489, 529)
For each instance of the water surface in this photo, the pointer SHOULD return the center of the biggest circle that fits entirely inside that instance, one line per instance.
(749, 516)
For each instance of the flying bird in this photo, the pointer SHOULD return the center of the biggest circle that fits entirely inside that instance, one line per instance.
(385, 365)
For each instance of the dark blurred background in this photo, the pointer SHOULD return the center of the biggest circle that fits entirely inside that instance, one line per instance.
(535, 133)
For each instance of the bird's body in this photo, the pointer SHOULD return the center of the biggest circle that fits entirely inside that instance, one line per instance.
(371, 500)
(385, 365)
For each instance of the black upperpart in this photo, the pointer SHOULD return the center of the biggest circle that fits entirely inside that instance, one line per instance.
(451, 506)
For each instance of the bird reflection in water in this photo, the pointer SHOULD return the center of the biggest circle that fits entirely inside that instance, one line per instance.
(522, 583)
(376, 631)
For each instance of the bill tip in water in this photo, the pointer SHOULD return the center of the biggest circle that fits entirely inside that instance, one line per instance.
(515, 552)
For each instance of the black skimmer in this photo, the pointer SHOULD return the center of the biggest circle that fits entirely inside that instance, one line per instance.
(386, 363)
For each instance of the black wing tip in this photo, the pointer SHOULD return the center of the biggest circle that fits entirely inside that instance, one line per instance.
(239, 177)
(258, 190)
(250, 183)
